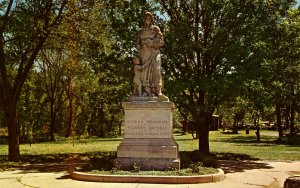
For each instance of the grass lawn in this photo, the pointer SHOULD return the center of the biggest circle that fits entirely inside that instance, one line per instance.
(240, 146)
(244, 146)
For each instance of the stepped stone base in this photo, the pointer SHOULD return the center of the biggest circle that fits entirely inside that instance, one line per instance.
(148, 148)
(148, 141)
(292, 182)
(148, 154)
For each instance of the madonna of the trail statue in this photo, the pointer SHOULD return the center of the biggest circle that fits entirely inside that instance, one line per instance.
(149, 40)
(148, 137)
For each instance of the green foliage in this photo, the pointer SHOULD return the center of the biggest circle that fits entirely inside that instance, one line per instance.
(82, 69)
(234, 112)
(116, 168)
(234, 56)
(290, 139)
(181, 172)
(280, 77)
(196, 167)
(136, 168)
(213, 48)
(24, 28)
(196, 159)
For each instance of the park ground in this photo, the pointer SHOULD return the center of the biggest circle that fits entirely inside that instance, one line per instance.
(239, 174)
(246, 163)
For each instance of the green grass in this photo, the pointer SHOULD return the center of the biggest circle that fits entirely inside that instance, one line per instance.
(240, 146)
(90, 145)
(244, 146)
(266, 149)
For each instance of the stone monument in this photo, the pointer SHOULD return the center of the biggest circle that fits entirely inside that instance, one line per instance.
(148, 141)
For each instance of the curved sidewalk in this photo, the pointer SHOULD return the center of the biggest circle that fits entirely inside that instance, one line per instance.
(239, 174)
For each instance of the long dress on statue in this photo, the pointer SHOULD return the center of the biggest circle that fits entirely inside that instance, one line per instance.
(149, 40)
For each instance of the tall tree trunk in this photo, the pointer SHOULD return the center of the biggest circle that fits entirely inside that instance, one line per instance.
(256, 124)
(278, 120)
(292, 119)
(52, 121)
(203, 140)
(120, 128)
(203, 132)
(70, 96)
(13, 129)
(287, 116)
(70, 118)
(91, 126)
(235, 125)
(23, 126)
(101, 119)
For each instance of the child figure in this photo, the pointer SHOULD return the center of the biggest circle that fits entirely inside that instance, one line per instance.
(138, 70)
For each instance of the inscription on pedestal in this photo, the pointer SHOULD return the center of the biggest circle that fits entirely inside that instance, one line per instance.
(148, 139)
(148, 124)
(135, 105)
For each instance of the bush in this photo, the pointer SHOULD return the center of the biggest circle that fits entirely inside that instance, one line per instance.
(104, 162)
(136, 168)
(195, 157)
(196, 167)
(290, 139)
(210, 161)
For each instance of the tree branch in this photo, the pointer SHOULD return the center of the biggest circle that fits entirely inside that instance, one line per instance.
(5, 17)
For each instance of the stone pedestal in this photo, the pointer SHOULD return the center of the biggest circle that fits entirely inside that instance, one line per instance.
(148, 141)
(292, 182)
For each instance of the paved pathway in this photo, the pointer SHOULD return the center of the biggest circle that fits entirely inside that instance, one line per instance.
(239, 174)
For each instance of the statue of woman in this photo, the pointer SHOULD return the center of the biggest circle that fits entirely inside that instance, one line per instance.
(149, 40)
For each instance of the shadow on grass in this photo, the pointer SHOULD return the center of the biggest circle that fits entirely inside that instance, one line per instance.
(58, 162)
(59, 140)
(265, 140)
(186, 139)
(229, 162)
(96, 139)
(232, 162)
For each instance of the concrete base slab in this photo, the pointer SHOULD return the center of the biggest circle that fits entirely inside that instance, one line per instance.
(149, 179)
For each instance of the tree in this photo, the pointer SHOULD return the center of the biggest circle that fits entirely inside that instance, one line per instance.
(212, 49)
(104, 58)
(292, 56)
(234, 112)
(52, 72)
(111, 60)
(281, 67)
(24, 28)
